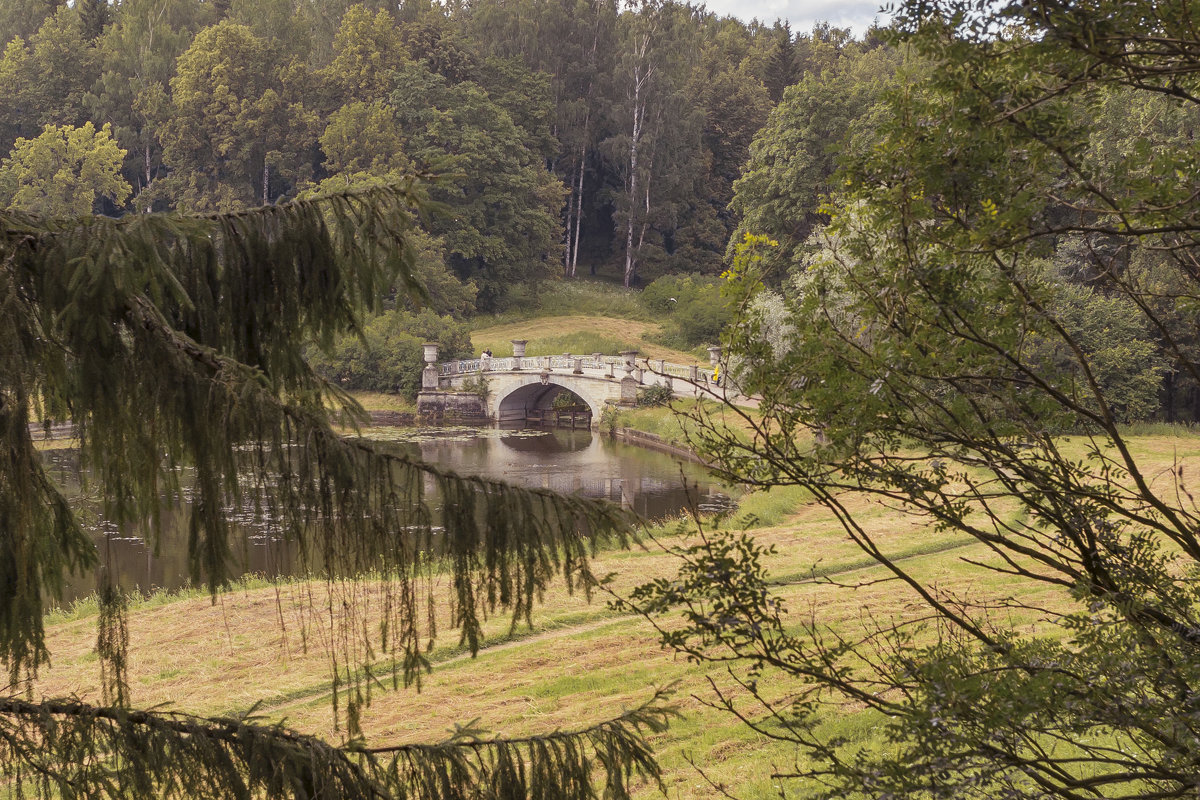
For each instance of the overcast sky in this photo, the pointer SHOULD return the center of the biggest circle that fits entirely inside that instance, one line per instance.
(854, 14)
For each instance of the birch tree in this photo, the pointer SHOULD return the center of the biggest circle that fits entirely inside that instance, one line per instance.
(658, 47)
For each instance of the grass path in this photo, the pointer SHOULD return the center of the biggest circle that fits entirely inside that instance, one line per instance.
(523, 637)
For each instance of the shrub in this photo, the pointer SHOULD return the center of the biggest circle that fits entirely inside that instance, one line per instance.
(697, 313)
(656, 395)
(478, 385)
(389, 357)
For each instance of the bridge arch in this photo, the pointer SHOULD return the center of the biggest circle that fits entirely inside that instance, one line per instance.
(516, 402)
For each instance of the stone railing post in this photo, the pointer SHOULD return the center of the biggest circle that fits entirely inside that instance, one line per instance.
(578, 366)
(518, 351)
(429, 375)
(714, 355)
(629, 384)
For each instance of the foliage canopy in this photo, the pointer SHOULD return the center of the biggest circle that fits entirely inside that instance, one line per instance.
(64, 171)
(925, 358)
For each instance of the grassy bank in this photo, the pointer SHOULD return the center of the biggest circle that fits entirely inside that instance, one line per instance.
(674, 424)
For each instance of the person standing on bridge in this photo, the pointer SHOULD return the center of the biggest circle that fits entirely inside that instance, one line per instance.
(485, 360)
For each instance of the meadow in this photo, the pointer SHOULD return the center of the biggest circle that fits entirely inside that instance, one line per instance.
(261, 646)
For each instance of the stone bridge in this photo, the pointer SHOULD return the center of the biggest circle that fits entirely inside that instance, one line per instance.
(523, 387)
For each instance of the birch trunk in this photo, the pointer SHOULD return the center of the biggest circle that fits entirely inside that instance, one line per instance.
(578, 206)
(568, 261)
(640, 78)
(645, 217)
(630, 258)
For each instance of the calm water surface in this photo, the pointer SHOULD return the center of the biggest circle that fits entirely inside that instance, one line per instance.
(652, 484)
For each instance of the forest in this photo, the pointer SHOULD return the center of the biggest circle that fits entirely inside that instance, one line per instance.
(630, 143)
(574, 138)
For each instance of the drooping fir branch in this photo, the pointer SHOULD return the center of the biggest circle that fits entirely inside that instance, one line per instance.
(176, 346)
(75, 750)
(526, 766)
(70, 749)
(234, 300)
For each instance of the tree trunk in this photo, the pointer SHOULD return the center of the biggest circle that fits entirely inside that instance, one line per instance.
(645, 219)
(575, 204)
(579, 206)
(642, 73)
(630, 258)
(634, 142)
(568, 265)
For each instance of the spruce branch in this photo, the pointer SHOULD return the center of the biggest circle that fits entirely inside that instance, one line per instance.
(176, 346)
(68, 748)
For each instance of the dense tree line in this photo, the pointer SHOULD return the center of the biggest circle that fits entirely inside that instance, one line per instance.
(631, 141)
(572, 136)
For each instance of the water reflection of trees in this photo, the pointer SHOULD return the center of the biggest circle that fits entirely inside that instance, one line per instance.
(648, 483)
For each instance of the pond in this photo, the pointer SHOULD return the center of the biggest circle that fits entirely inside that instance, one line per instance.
(651, 484)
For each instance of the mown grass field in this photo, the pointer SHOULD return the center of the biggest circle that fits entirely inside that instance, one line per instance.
(581, 334)
(579, 663)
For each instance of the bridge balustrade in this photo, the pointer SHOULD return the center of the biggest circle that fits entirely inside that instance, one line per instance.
(676, 370)
(665, 368)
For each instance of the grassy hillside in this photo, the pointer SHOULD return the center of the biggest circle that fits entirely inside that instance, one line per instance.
(577, 296)
(580, 662)
(579, 334)
(581, 317)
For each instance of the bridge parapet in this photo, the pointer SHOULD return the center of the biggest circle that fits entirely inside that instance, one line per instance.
(593, 363)
(524, 387)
